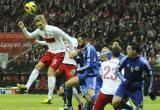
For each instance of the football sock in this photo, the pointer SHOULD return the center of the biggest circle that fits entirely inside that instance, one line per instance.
(32, 78)
(51, 85)
(75, 93)
(68, 92)
(93, 98)
(64, 98)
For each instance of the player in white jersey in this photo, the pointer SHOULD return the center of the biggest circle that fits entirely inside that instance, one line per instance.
(52, 58)
(110, 80)
(68, 67)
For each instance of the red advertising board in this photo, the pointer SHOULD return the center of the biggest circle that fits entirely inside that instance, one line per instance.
(14, 43)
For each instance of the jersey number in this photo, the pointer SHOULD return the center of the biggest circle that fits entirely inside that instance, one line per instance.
(107, 71)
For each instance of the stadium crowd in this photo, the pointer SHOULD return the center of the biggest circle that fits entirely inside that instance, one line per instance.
(102, 20)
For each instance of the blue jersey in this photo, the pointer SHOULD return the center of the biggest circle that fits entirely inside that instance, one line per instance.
(133, 69)
(90, 61)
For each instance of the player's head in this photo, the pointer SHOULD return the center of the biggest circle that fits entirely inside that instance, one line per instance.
(117, 42)
(82, 40)
(103, 54)
(40, 21)
(132, 49)
(116, 51)
(104, 49)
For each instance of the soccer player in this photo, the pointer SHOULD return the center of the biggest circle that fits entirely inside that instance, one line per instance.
(110, 80)
(67, 68)
(106, 53)
(132, 80)
(52, 58)
(89, 72)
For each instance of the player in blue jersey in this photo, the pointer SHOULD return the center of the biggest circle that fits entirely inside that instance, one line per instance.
(133, 80)
(88, 74)
(106, 54)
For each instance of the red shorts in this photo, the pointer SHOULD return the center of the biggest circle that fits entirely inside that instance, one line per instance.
(102, 100)
(52, 59)
(68, 70)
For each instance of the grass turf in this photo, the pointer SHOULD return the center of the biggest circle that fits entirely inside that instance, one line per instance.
(32, 102)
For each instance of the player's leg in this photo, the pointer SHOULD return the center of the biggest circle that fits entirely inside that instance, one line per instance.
(44, 61)
(117, 99)
(61, 93)
(32, 77)
(102, 100)
(125, 104)
(61, 88)
(83, 89)
(54, 64)
(68, 93)
(137, 98)
(73, 82)
(92, 86)
(75, 94)
(69, 73)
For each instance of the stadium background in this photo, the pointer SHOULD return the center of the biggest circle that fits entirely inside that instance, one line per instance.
(102, 20)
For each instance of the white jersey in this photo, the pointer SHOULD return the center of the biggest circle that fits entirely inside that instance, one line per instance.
(110, 80)
(70, 48)
(53, 37)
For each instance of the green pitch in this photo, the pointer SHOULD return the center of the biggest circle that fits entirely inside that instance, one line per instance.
(32, 102)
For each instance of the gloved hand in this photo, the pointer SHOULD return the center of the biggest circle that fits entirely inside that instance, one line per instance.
(151, 94)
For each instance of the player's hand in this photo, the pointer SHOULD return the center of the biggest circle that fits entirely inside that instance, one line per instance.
(35, 41)
(21, 24)
(151, 94)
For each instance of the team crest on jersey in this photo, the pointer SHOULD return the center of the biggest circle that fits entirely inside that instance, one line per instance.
(132, 69)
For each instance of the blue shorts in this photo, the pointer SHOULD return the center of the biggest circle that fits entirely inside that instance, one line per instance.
(89, 83)
(136, 97)
(83, 90)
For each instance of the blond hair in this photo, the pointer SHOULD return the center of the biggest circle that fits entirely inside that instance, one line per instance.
(40, 18)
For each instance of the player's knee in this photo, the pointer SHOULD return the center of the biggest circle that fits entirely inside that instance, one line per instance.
(51, 72)
(39, 66)
(91, 92)
(116, 101)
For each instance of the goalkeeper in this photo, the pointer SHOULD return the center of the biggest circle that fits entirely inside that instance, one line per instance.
(133, 80)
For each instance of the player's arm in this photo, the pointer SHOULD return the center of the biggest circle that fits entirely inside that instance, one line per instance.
(27, 34)
(90, 60)
(101, 70)
(64, 35)
(119, 68)
(148, 70)
(40, 42)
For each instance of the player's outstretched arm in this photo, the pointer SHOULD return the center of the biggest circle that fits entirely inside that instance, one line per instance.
(27, 34)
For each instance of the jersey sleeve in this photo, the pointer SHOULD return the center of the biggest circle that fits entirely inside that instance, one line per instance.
(149, 72)
(42, 42)
(90, 59)
(64, 35)
(30, 35)
(119, 68)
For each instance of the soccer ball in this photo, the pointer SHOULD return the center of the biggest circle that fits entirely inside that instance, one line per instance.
(30, 8)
